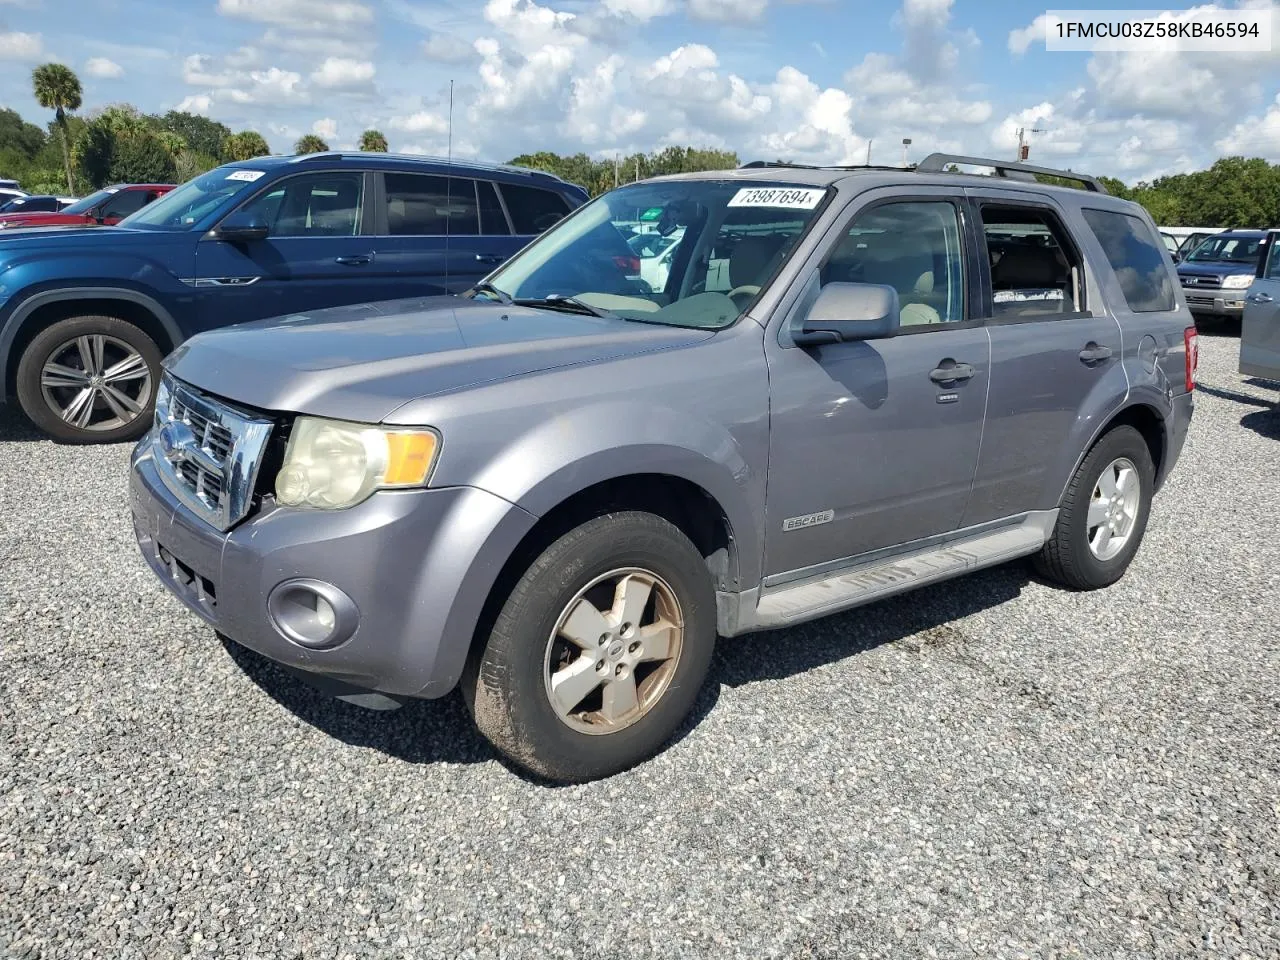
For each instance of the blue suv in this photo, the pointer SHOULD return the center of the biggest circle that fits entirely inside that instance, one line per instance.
(87, 314)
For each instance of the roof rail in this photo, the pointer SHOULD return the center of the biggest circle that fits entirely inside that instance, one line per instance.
(757, 164)
(937, 163)
(423, 158)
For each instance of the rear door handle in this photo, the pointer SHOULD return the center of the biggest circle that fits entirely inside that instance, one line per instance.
(951, 372)
(356, 260)
(489, 258)
(1093, 353)
(1260, 298)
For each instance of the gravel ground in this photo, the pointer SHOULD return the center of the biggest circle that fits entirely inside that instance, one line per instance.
(991, 767)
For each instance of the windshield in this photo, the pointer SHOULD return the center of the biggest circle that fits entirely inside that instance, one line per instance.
(1228, 250)
(89, 202)
(194, 200)
(693, 253)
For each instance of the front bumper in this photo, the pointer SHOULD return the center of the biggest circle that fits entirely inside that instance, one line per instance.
(1228, 304)
(417, 566)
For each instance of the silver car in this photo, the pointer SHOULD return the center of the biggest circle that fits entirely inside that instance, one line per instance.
(1260, 328)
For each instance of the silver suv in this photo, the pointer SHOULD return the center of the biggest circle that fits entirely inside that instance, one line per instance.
(556, 490)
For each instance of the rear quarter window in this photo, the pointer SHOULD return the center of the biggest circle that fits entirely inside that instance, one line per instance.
(533, 210)
(1134, 255)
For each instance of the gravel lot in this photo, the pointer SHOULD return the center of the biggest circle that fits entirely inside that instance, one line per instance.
(990, 767)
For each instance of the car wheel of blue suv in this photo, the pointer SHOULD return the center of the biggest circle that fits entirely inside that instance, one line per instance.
(90, 379)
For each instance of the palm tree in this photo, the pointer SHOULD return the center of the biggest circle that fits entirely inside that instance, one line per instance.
(174, 143)
(310, 143)
(372, 141)
(245, 145)
(57, 88)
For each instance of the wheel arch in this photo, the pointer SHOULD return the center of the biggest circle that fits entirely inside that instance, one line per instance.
(1144, 417)
(40, 310)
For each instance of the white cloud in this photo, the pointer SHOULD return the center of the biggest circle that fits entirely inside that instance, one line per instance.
(102, 67)
(727, 11)
(446, 48)
(273, 87)
(348, 44)
(1254, 136)
(196, 103)
(1020, 40)
(300, 14)
(642, 10)
(200, 70)
(21, 46)
(343, 73)
(326, 128)
(421, 122)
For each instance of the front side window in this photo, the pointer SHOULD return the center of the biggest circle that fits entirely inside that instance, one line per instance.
(722, 242)
(1272, 271)
(427, 206)
(533, 210)
(85, 204)
(1034, 270)
(123, 203)
(912, 246)
(311, 205)
(1135, 258)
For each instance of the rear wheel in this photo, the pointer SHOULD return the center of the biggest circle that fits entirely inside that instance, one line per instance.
(90, 379)
(599, 652)
(1103, 515)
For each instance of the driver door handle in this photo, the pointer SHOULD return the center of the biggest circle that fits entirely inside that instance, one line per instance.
(1260, 298)
(355, 260)
(1092, 353)
(951, 372)
(489, 257)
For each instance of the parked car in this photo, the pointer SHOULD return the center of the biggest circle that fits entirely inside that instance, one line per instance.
(1260, 326)
(107, 206)
(1216, 275)
(556, 490)
(89, 313)
(43, 203)
(1182, 240)
(10, 190)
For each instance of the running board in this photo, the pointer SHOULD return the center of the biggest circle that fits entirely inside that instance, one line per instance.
(785, 605)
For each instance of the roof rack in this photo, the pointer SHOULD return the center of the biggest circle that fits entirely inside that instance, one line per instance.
(757, 164)
(421, 158)
(937, 163)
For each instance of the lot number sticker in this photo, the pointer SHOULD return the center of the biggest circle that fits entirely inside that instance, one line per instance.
(793, 198)
(247, 175)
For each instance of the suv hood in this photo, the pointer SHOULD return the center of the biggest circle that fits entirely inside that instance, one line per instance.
(362, 362)
(26, 236)
(1213, 268)
(46, 219)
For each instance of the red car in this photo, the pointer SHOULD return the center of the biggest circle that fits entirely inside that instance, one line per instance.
(108, 206)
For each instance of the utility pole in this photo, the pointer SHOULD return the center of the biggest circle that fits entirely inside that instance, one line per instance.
(1024, 148)
(906, 142)
(868, 153)
(637, 180)
(615, 169)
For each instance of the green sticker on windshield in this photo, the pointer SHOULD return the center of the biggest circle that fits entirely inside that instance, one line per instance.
(653, 213)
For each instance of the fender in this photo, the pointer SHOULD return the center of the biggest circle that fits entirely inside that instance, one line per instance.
(568, 453)
(33, 302)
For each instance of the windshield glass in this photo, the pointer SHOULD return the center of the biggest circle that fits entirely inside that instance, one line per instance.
(194, 200)
(89, 202)
(691, 253)
(1228, 250)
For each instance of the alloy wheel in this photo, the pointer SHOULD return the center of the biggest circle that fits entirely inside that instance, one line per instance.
(96, 382)
(1114, 508)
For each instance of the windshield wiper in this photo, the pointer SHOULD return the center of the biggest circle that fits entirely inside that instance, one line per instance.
(485, 287)
(559, 301)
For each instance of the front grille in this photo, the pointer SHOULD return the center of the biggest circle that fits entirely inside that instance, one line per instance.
(1207, 301)
(1201, 281)
(208, 452)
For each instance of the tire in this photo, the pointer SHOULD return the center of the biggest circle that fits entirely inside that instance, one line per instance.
(507, 684)
(1071, 556)
(110, 343)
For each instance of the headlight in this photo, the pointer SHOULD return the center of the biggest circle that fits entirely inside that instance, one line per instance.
(331, 465)
(1237, 281)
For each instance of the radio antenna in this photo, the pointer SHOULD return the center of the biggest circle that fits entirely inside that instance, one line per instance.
(448, 191)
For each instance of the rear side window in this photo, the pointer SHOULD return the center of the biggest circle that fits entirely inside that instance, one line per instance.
(1035, 271)
(533, 210)
(422, 205)
(1138, 264)
(124, 203)
(493, 222)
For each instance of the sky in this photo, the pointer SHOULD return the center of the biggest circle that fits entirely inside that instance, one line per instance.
(804, 80)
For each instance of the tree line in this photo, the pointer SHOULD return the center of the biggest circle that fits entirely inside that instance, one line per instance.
(120, 144)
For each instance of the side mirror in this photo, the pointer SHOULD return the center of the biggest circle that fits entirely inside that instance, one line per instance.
(851, 311)
(242, 227)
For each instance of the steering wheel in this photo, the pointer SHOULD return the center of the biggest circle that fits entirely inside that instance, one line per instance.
(746, 290)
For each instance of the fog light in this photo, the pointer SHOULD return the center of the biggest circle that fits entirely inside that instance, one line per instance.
(312, 613)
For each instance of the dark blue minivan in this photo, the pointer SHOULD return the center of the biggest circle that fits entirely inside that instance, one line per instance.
(87, 314)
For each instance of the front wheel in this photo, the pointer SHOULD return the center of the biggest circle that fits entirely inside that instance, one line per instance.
(1103, 515)
(90, 379)
(599, 652)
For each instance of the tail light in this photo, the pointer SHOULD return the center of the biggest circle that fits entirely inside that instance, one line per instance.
(1191, 340)
(628, 265)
